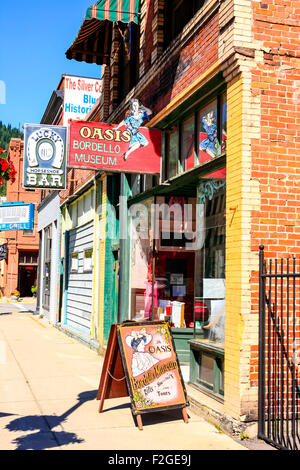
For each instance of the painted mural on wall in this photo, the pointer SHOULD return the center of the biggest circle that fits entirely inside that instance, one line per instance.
(151, 366)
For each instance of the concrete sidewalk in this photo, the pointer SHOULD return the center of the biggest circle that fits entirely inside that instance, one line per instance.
(48, 386)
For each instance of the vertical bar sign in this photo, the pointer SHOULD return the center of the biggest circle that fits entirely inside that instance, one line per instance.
(44, 156)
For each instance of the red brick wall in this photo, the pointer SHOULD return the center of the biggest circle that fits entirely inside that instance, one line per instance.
(184, 66)
(148, 43)
(76, 178)
(276, 155)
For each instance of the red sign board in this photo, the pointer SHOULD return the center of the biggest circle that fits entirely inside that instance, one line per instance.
(124, 148)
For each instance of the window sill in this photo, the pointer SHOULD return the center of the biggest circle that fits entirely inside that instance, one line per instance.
(206, 345)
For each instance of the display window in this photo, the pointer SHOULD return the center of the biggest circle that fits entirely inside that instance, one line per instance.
(142, 296)
(196, 139)
(209, 311)
(178, 260)
(188, 143)
(172, 149)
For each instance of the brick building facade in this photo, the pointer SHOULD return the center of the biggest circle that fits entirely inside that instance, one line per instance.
(20, 268)
(246, 53)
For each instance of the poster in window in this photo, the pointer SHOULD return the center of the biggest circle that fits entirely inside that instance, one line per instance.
(209, 146)
(176, 278)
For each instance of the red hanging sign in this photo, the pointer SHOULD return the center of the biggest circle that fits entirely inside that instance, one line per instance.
(124, 148)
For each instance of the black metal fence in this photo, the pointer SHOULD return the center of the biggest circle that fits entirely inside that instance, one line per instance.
(279, 352)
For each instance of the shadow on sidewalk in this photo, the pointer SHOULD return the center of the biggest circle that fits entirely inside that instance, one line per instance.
(46, 437)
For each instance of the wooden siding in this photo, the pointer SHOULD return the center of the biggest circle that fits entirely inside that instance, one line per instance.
(80, 282)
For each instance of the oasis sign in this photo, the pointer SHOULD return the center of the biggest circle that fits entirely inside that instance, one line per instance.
(125, 147)
(44, 156)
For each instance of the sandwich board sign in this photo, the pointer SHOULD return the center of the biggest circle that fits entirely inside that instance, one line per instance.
(141, 362)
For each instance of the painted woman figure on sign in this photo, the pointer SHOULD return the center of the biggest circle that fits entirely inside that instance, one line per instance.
(141, 360)
(134, 119)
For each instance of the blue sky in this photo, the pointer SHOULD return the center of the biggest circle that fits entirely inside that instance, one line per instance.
(35, 35)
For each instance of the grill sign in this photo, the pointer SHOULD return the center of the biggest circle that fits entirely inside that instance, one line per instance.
(16, 216)
(44, 157)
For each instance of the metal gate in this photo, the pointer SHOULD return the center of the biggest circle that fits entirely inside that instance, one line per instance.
(279, 352)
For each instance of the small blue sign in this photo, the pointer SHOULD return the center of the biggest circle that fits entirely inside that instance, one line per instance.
(16, 216)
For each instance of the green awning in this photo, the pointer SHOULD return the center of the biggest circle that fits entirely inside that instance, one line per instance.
(114, 10)
(93, 42)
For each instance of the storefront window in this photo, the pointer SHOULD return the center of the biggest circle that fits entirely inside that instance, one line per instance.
(172, 149)
(175, 228)
(187, 143)
(184, 146)
(210, 262)
(162, 255)
(178, 247)
(141, 262)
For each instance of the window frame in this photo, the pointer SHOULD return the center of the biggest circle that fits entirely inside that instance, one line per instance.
(171, 30)
(192, 113)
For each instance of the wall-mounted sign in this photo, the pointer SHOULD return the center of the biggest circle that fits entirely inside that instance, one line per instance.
(126, 147)
(44, 156)
(145, 354)
(80, 95)
(16, 216)
(95, 145)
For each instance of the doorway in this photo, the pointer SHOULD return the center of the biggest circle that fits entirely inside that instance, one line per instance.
(27, 279)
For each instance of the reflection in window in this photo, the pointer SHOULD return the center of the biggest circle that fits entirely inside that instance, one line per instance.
(187, 143)
(141, 261)
(178, 14)
(184, 147)
(172, 152)
(224, 121)
(210, 261)
(128, 54)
